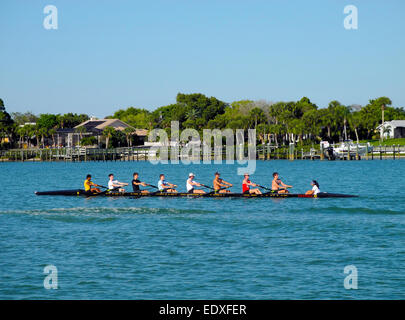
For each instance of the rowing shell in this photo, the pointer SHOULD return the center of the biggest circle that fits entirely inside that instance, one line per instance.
(80, 192)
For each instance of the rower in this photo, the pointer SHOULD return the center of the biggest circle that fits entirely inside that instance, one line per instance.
(190, 184)
(136, 183)
(277, 185)
(89, 186)
(165, 186)
(220, 183)
(115, 185)
(315, 188)
(246, 184)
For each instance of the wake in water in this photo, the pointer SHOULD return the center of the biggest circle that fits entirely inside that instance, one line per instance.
(352, 210)
(101, 213)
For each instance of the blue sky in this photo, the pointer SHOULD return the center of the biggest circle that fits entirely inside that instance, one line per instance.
(107, 55)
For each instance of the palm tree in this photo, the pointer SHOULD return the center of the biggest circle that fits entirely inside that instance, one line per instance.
(30, 132)
(257, 115)
(192, 114)
(262, 132)
(275, 110)
(382, 122)
(36, 131)
(298, 129)
(128, 133)
(354, 120)
(276, 129)
(327, 120)
(21, 132)
(52, 132)
(80, 130)
(107, 133)
(43, 132)
(386, 130)
(313, 121)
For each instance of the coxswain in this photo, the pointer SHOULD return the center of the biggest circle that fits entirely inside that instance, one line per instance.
(315, 188)
(246, 184)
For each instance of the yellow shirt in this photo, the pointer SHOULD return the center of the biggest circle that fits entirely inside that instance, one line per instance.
(87, 185)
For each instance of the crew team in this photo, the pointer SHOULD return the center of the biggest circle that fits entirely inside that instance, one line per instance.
(192, 186)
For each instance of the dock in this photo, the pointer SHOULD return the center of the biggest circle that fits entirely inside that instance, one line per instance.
(141, 153)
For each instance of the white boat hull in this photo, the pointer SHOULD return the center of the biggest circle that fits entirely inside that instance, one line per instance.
(344, 149)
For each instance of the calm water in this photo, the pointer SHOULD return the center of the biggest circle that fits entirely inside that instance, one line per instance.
(154, 248)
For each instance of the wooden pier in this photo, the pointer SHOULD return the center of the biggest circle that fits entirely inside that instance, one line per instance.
(141, 153)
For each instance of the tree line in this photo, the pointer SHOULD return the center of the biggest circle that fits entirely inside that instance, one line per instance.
(20, 127)
(277, 123)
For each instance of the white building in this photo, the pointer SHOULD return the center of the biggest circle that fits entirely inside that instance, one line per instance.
(392, 129)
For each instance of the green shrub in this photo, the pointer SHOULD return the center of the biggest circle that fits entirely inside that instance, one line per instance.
(88, 141)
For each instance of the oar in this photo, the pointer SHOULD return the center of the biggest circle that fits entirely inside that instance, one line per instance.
(151, 185)
(264, 187)
(100, 193)
(227, 187)
(171, 187)
(174, 185)
(222, 188)
(205, 186)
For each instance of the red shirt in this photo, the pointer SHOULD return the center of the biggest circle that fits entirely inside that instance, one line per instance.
(245, 187)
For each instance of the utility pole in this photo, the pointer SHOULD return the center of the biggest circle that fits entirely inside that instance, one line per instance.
(382, 123)
(345, 131)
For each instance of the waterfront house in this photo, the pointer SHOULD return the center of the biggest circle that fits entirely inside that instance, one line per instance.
(70, 137)
(392, 129)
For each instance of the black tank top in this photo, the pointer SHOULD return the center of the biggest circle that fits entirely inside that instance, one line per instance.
(135, 187)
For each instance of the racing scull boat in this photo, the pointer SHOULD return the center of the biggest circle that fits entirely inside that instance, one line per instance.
(81, 192)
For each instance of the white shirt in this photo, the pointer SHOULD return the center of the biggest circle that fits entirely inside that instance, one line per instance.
(161, 184)
(189, 185)
(315, 189)
(111, 184)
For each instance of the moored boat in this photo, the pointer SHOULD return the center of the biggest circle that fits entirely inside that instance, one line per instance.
(345, 149)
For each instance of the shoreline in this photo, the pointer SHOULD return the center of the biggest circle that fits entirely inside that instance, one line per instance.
(142, 153)
(315, 158)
